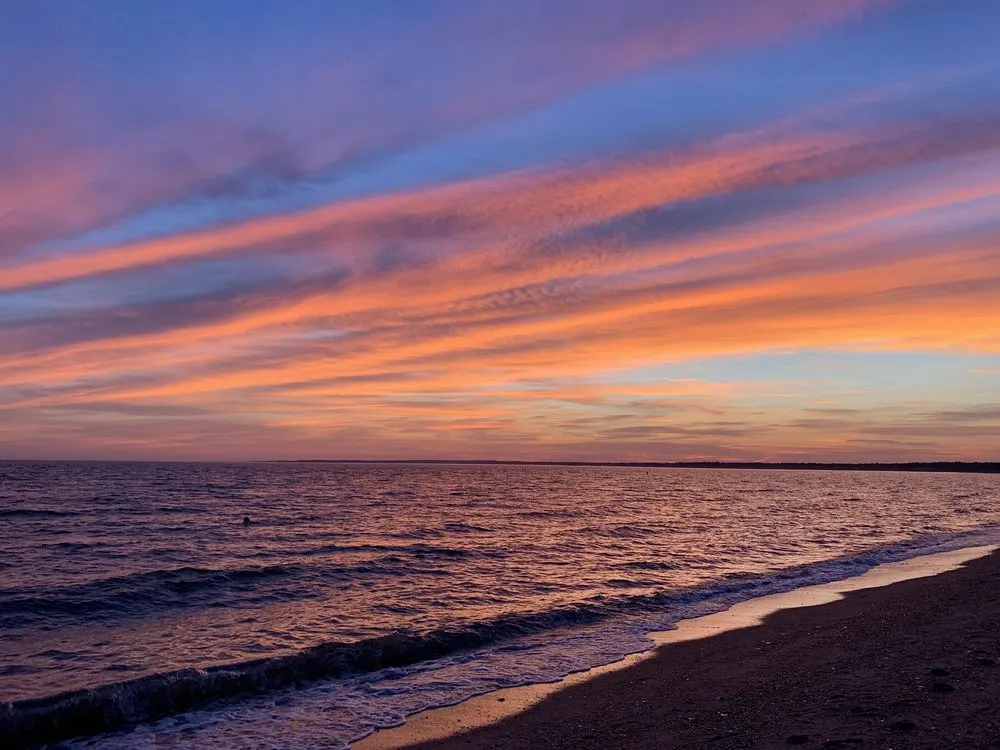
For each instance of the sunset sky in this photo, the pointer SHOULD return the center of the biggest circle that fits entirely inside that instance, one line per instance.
(515, 229)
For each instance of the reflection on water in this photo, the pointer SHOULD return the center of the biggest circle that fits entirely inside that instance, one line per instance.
(112, 571)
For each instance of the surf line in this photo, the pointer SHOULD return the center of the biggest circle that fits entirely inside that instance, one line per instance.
(491, 708)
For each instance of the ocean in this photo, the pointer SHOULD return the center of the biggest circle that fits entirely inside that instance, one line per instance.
(134, 594)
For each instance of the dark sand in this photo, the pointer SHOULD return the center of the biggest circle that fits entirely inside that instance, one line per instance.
(912, 665)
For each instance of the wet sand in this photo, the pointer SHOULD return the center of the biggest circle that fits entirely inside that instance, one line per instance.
(908, 665)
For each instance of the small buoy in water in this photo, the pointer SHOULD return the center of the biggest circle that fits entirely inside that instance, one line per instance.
(246, 520)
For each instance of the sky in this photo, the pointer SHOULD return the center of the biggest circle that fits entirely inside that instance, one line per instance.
(618, 230)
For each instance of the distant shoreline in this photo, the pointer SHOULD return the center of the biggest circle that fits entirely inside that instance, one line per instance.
(971, 467)
(966, 467)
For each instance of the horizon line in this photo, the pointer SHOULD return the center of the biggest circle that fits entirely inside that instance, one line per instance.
(935, 465)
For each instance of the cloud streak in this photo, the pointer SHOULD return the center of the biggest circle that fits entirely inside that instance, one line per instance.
(336, 89)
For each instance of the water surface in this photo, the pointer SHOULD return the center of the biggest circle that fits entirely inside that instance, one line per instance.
(111, 572)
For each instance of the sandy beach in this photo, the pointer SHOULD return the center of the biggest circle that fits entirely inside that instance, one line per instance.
(914, 664)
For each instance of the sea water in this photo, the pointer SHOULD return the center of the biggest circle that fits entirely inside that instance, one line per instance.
(360, 593)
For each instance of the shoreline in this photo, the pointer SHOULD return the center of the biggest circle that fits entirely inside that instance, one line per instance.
(933, 467)
(485, 720)
(86, 712)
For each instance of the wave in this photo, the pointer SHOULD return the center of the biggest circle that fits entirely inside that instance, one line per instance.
(650, 565)
(34, 513)
(462, 527)
(191, 587)
(416, 550)
(137, 592)
(144, 699)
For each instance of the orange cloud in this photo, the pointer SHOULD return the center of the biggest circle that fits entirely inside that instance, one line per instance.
(533, 202)
(57, 182)
(543, 281)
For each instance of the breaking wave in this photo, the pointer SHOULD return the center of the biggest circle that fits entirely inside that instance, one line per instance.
(108, 707)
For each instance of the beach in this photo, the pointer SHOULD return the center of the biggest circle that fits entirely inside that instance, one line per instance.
(913, 664)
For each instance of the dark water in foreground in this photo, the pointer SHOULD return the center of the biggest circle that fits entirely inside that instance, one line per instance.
(111, 572)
